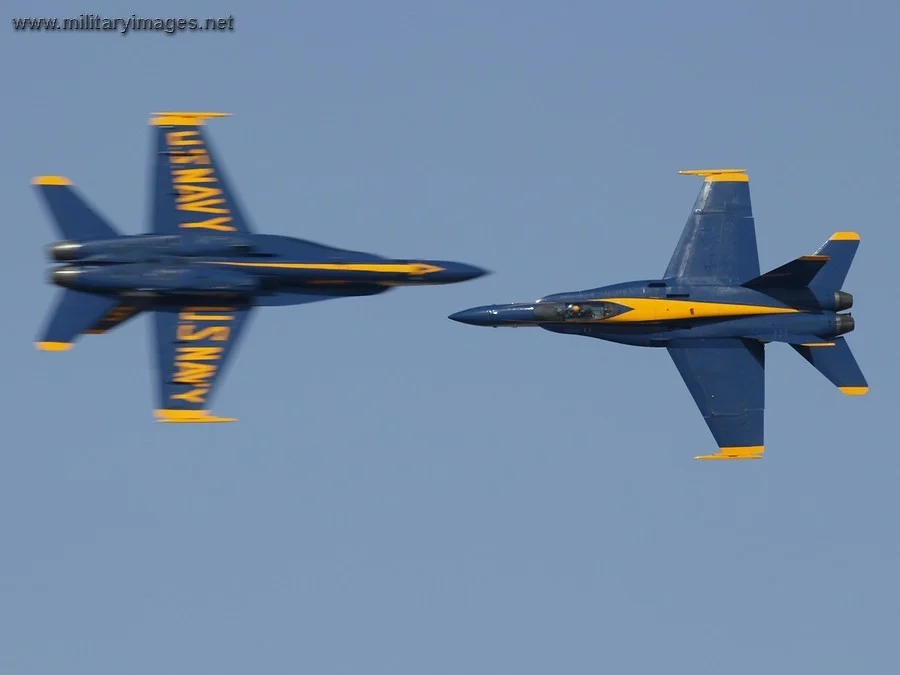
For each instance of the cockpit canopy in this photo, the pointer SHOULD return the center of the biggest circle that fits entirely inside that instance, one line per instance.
(576, 311)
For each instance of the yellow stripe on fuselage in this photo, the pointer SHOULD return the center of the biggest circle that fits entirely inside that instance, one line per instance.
(662, 309)
(384, 268)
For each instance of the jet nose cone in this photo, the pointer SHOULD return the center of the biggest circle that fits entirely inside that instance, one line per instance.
(476, 272)
(462, 272)
(513, 314)
(454, 272)
(476, 316)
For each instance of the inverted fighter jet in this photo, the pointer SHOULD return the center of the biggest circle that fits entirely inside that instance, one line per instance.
(201, 269)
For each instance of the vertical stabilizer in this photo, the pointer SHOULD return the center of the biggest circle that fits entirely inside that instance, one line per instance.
(73, 217)
(840, 248)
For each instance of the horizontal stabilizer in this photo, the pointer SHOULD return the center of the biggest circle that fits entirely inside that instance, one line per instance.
(796, 274)
(114, 318)
(73, 217)
(837, 363)
(74, 314)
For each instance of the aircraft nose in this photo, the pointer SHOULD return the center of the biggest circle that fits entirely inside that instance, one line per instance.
(476, 316)
(462, 272)
(454, 272)
(515, 314)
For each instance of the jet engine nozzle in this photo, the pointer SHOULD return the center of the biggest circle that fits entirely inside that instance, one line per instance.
(842, 301)
(845, 324)
(63, 251)
(64, 276)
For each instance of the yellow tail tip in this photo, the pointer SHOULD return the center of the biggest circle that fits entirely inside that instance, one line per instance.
(844, 236)
(854, 391)
(737, 452)
(190, 416)
(54, 346)
(719, 175)
(50, 180)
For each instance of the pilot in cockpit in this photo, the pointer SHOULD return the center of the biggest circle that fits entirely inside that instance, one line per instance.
(577, 312)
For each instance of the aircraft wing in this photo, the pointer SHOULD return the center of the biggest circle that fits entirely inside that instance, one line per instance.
(718, 243)
(190, 190)
(193, 345)
(726, 377)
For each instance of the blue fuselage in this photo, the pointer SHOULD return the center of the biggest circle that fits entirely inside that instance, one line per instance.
(272, 269)
(664, 312)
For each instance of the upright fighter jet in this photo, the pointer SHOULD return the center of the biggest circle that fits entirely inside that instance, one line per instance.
(200, 269)
(714, 313)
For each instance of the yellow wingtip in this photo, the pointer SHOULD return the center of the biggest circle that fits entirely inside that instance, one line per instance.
(854, 391)
(191, 114)
(50, 180)
(719, 175)
(736, 452)
(190, 416)
(163, 119)
(844, 236)
(54, 346)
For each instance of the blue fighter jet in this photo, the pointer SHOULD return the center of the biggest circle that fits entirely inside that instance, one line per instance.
(200, 269)
(714, 313)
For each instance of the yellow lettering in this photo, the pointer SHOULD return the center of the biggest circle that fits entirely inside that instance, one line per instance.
(194, 176)
(206, 206)
(192, 156)
(190, 316)
(183, 138)
(217, 333)
(193, 193)
(188, 313)
(199, 353)
(193, 373)
(218, 224)
(197, 395)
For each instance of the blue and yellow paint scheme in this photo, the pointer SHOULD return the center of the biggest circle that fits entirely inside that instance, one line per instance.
(200, 269)
(714, 313)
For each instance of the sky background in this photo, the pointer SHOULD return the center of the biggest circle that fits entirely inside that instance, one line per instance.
(405, 495)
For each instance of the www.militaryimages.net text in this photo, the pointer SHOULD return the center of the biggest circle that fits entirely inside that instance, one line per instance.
(91, 23)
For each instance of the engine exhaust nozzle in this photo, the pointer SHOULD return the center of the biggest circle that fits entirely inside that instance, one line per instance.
(845, 324)
(842, 301)
(64, 251)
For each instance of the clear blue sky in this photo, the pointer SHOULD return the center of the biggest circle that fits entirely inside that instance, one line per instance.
(404, 495)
